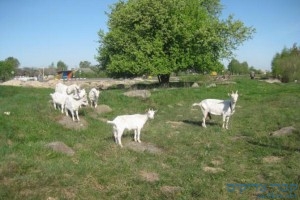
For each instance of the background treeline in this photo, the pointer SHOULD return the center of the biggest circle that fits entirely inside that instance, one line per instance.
(286, 65)
(239, 68)
(9, 68)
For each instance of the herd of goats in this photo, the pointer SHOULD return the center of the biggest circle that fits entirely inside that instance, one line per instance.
(72, 98)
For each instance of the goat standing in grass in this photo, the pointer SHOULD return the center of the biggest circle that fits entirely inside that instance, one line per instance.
(73, 106)
(65, 89)
(93, 96)
(59, 99)
(82, 95)
(130, 122)
(226, 108)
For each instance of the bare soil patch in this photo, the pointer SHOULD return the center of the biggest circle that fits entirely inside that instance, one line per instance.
(170, 189)
(100, 109)
(84, 83)
(67, 122)
(284, 131)
(138, 93)
(213, 170)
(103, 109)
(61, 147)
(143, 147)
(217, 161)
(149, 176)
(273, 81)
(174, 124)
(272, 159)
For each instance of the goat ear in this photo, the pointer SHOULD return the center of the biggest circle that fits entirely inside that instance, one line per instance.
(236, 92)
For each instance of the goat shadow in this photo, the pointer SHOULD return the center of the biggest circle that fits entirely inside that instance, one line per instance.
(126, 134)
(287, 148)
(199, 123)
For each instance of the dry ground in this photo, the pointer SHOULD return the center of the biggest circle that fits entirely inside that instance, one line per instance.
(84, 83)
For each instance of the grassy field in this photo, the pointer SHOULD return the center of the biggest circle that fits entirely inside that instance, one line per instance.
(190, 162)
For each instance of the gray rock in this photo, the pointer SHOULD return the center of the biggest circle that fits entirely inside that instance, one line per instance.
(284, 131)
(61, 147)
(195, 85)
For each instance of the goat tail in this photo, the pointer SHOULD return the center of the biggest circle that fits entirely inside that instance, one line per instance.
(197, 104)
(110, 122)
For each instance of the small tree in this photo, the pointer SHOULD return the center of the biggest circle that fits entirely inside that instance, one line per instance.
(61, 66)
(8, 68)
(13, 61)
(235, 67)
(84, 64)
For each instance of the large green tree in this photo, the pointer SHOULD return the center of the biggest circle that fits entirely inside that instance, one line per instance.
(158, 37)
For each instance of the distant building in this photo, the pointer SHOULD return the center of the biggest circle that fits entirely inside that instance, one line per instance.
(68, 74)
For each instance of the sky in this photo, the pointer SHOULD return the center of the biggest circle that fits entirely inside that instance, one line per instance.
(41, 32)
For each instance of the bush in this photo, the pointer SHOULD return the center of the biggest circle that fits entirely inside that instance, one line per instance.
(286, 65)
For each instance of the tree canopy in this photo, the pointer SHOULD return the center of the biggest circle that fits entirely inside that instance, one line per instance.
(286, 65)
(8, 68)
(84, 64)
(158, 37)
(235, 67)
(61, 66)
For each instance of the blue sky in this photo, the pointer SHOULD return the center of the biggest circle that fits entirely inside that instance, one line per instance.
(41, 32)
(277, 24)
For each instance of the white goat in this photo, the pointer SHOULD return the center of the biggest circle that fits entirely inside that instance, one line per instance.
(65, 89)
(73, 106)
(130, 122)
(82, 95)
(93, 96)
(59, 99)
(226, 108)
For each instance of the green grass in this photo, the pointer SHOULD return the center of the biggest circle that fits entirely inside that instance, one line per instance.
(102, 170)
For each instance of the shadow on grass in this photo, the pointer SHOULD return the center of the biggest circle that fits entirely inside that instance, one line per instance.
(281, 147)
(179, 84)
(148, 86)
(199, 123)
(125, 135)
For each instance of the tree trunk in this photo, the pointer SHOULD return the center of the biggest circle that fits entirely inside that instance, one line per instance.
(163, 79)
